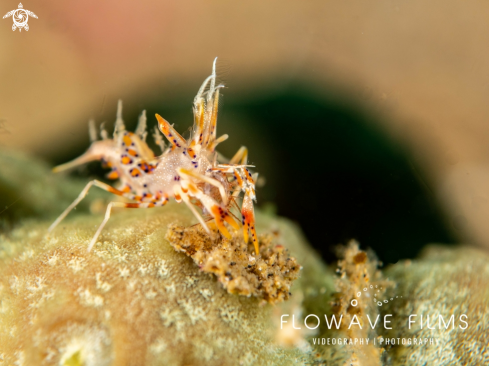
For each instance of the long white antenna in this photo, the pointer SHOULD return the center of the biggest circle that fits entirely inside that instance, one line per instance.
(141, 128)
(103, 131)
(210, 94)
(119, 123)
(92, 130)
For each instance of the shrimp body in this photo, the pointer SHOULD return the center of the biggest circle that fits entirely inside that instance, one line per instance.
(165, 177)
(187, 171)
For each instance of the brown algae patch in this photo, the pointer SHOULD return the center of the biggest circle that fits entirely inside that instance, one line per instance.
(268, 275)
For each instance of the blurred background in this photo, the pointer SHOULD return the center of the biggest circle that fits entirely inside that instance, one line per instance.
(367, 119)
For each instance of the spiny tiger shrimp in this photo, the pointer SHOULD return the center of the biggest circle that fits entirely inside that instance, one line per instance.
(188, 171)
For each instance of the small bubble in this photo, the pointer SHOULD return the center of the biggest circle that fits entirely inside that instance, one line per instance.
(371, 286)
(365, 289)
(359, 294)
(379, 303)
(386, 301)
(354, 302)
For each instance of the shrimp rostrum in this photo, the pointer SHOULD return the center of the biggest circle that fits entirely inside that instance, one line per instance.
(188, 171)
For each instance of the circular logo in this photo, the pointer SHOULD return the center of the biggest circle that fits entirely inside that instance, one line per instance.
(20, 18)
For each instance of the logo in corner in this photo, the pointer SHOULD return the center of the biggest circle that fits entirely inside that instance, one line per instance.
(20, 17)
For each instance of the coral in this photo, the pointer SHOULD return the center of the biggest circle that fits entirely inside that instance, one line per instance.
(133, 300)
(442, 282)
(28, 189)
(268, 275)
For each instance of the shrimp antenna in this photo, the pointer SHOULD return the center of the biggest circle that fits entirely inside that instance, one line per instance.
(92, 130)
(213, 81)
(141, 128)
(103, 131)
(201, 90)
(119, 123)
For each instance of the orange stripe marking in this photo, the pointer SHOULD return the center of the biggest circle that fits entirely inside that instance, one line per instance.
(127, 140)
(113, 175)
(135, 172)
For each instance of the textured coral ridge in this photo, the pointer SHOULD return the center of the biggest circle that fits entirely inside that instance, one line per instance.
(268, 275)
(133, 300)
(442, 282)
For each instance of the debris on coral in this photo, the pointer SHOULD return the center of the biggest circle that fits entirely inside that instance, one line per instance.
(358, 284)
(268, 275)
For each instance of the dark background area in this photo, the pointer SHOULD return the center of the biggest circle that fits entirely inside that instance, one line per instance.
(326, 166)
